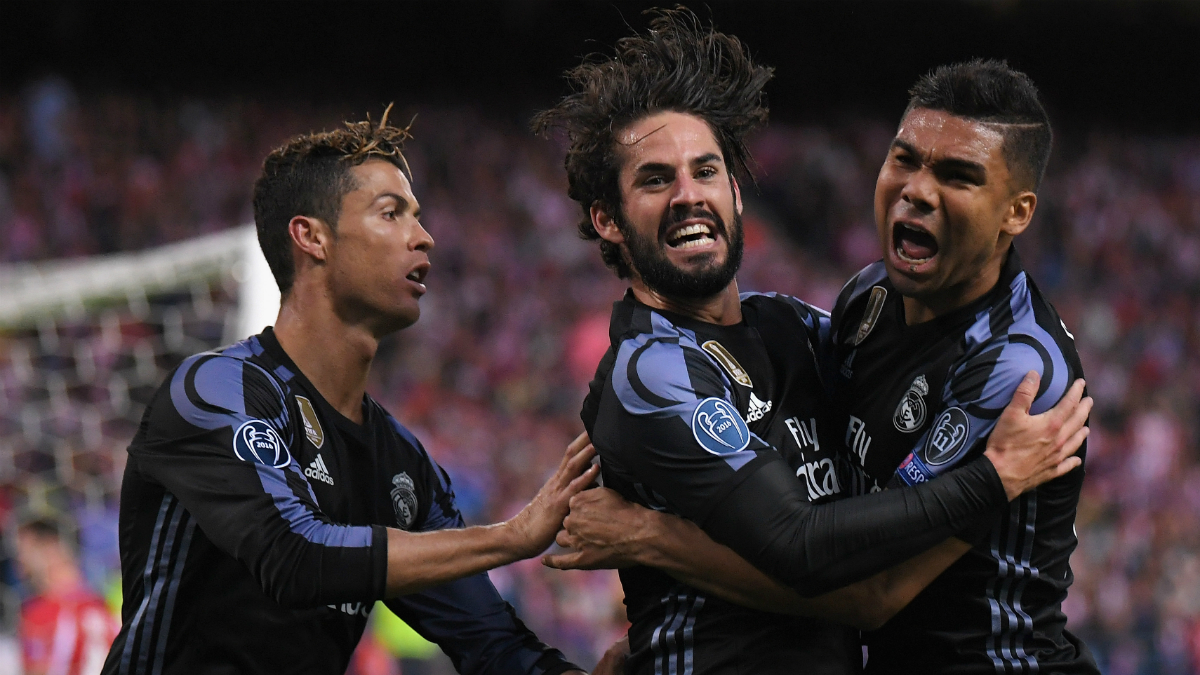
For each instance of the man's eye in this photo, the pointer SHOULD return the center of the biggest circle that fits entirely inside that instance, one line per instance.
(655, 180)
(389, 214)
(706, 172)
(906, 160)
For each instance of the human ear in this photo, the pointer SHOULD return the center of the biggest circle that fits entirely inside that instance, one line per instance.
(605, 224)
(737, 195)
(1020, 213)
(311, 236)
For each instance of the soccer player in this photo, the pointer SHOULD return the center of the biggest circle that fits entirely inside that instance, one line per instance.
(704, 405)
(929, 345)
(268, 502)
(65, 627)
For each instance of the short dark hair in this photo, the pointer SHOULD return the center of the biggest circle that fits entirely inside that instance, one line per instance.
(677, 65)
(309, 175)
(990, 91)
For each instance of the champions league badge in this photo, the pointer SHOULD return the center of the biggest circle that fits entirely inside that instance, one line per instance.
(719, 428)
(404, 500)
(947, 438)
(910, 414)
(255, 441)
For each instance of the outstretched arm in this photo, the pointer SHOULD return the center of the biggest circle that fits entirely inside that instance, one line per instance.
(418, 560)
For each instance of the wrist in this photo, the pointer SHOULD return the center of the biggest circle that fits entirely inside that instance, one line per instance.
(513, 540)
(989, 466)
(654, 534)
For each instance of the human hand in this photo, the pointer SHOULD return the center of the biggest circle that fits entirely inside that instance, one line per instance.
(603, 530)
(613, 661)
(1028, 450)
(535, 526)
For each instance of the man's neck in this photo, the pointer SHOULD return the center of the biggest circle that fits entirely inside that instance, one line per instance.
(333, 355)
(724, 308)
(927, 308)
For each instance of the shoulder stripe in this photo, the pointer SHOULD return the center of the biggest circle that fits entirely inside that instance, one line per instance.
(208, 391)
(635, 379)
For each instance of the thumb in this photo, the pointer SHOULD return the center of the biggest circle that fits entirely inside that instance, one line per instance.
(1026, 392)
(560, 561)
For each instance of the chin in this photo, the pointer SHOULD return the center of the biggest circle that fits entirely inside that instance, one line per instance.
(399, 319)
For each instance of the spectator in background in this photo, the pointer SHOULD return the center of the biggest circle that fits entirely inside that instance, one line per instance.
(65, 626)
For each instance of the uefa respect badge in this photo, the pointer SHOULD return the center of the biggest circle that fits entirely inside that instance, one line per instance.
(719, 428)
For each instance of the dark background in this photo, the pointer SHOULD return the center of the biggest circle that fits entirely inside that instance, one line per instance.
(1136, 64)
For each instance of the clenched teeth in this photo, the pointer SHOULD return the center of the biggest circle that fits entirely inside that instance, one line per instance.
(691, 236)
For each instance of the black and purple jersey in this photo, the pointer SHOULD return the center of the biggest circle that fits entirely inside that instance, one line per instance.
(913, 402)
(253, 538)
(719, 424)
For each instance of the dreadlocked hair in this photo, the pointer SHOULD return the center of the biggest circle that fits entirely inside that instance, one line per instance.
(677, 65)
(309, 175)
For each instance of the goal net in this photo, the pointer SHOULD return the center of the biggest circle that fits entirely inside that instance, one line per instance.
(84, 343)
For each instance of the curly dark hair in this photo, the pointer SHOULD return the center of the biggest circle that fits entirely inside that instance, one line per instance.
(991, 91)
(679, 65)
(309, 175)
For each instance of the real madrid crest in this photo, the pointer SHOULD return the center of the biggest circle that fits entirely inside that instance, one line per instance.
(404, 500)
(910, 414)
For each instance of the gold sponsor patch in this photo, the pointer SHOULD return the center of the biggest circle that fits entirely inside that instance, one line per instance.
(312, 426)
(874, 308)
(730, 364)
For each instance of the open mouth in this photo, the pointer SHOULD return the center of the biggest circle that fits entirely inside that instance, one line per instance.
(691, 236)
(913, 245)
(418, 274)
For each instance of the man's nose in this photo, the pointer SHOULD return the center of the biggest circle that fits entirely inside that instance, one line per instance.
(687, 193)
(420, 239)
(921, 190)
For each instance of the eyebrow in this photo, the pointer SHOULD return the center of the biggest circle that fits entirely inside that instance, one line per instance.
(652, 167)
(401, 202)
(945, 163)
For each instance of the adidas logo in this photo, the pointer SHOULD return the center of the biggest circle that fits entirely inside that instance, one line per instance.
(757, 409)
(318, 471)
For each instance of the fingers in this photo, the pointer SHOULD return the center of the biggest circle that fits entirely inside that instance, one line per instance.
(1066, 466)
(1074, 443)
(1026, 392)
(1078, 418)
(1070, 401)
(574, 465)
(562, 561)
(585, 479)
(581, 441)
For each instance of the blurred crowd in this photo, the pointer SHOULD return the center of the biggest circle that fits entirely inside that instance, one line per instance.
(492, 376)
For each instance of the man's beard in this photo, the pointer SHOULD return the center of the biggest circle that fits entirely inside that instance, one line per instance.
(650, 262)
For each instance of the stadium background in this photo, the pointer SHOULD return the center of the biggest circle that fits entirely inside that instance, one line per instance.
(126, 127)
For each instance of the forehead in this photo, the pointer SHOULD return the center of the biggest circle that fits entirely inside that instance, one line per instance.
(668, 138)
(943, 135)
(376, 176)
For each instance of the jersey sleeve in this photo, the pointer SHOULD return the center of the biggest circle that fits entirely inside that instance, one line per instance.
(676, 426)
(677, 432)
(976, 392)
(467, 618)
(218, 439)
